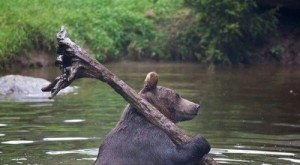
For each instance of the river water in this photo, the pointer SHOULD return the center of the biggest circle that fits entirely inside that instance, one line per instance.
(249, 115)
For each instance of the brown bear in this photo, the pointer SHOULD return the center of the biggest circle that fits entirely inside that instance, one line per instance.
(136, 141)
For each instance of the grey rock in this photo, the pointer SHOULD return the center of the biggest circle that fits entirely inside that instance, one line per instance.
(28, 89)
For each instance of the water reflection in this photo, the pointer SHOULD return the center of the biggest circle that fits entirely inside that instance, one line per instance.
(219, 151)
(19, 159)
(56, 139)
(291, 160)
(92, 152)
(227, 160)
(287, 125)
(74, 121)
(18, 142)
(249, 115)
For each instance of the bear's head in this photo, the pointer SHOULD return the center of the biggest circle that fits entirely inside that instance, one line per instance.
(167, 101)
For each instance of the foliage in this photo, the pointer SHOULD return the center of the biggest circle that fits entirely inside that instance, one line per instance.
(276, 49)
(215, 31)
(105, 27)
(227, 30)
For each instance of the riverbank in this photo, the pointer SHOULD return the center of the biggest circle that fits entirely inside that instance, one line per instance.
(109, 29)
(283, 45)
(132, 30)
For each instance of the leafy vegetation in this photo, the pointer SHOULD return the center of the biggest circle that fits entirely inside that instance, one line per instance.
(227, 30)
(107, 28)
(223, 31)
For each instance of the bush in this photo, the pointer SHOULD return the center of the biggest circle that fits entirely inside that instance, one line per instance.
(227, 30)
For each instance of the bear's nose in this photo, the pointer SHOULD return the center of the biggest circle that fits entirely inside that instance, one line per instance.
(197, 106)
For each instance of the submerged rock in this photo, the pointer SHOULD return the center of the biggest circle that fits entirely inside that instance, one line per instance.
(23, 88)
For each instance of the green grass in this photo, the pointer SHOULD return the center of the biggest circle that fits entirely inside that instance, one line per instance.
(109, 29)
(226, 32)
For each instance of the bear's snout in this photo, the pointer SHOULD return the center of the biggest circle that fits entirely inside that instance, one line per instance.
(194, 111)
(186, 110)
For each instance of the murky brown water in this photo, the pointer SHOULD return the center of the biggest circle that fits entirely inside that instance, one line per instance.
(249, 115)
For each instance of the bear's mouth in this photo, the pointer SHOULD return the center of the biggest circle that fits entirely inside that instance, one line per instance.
(192, 114)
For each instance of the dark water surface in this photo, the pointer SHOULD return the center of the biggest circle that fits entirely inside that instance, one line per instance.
(249, 115)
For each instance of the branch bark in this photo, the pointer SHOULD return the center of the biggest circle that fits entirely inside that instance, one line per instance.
(76, 63)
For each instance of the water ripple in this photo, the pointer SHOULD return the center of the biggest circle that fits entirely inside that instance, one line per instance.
(225, 160)
(287, 125)
(74, 121)
(291, 160)
(47, 104)
(68, 138)
(92, 159)
(219, 151)
(92, 152)
(18, 159)
(3, 125)
(18, 142)
(10, 118)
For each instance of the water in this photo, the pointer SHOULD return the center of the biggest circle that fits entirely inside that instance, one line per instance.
(249, 115)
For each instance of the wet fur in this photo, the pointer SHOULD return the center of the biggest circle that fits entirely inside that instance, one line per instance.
(135, 141)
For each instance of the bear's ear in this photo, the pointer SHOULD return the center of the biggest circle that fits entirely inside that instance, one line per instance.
(150, 81)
